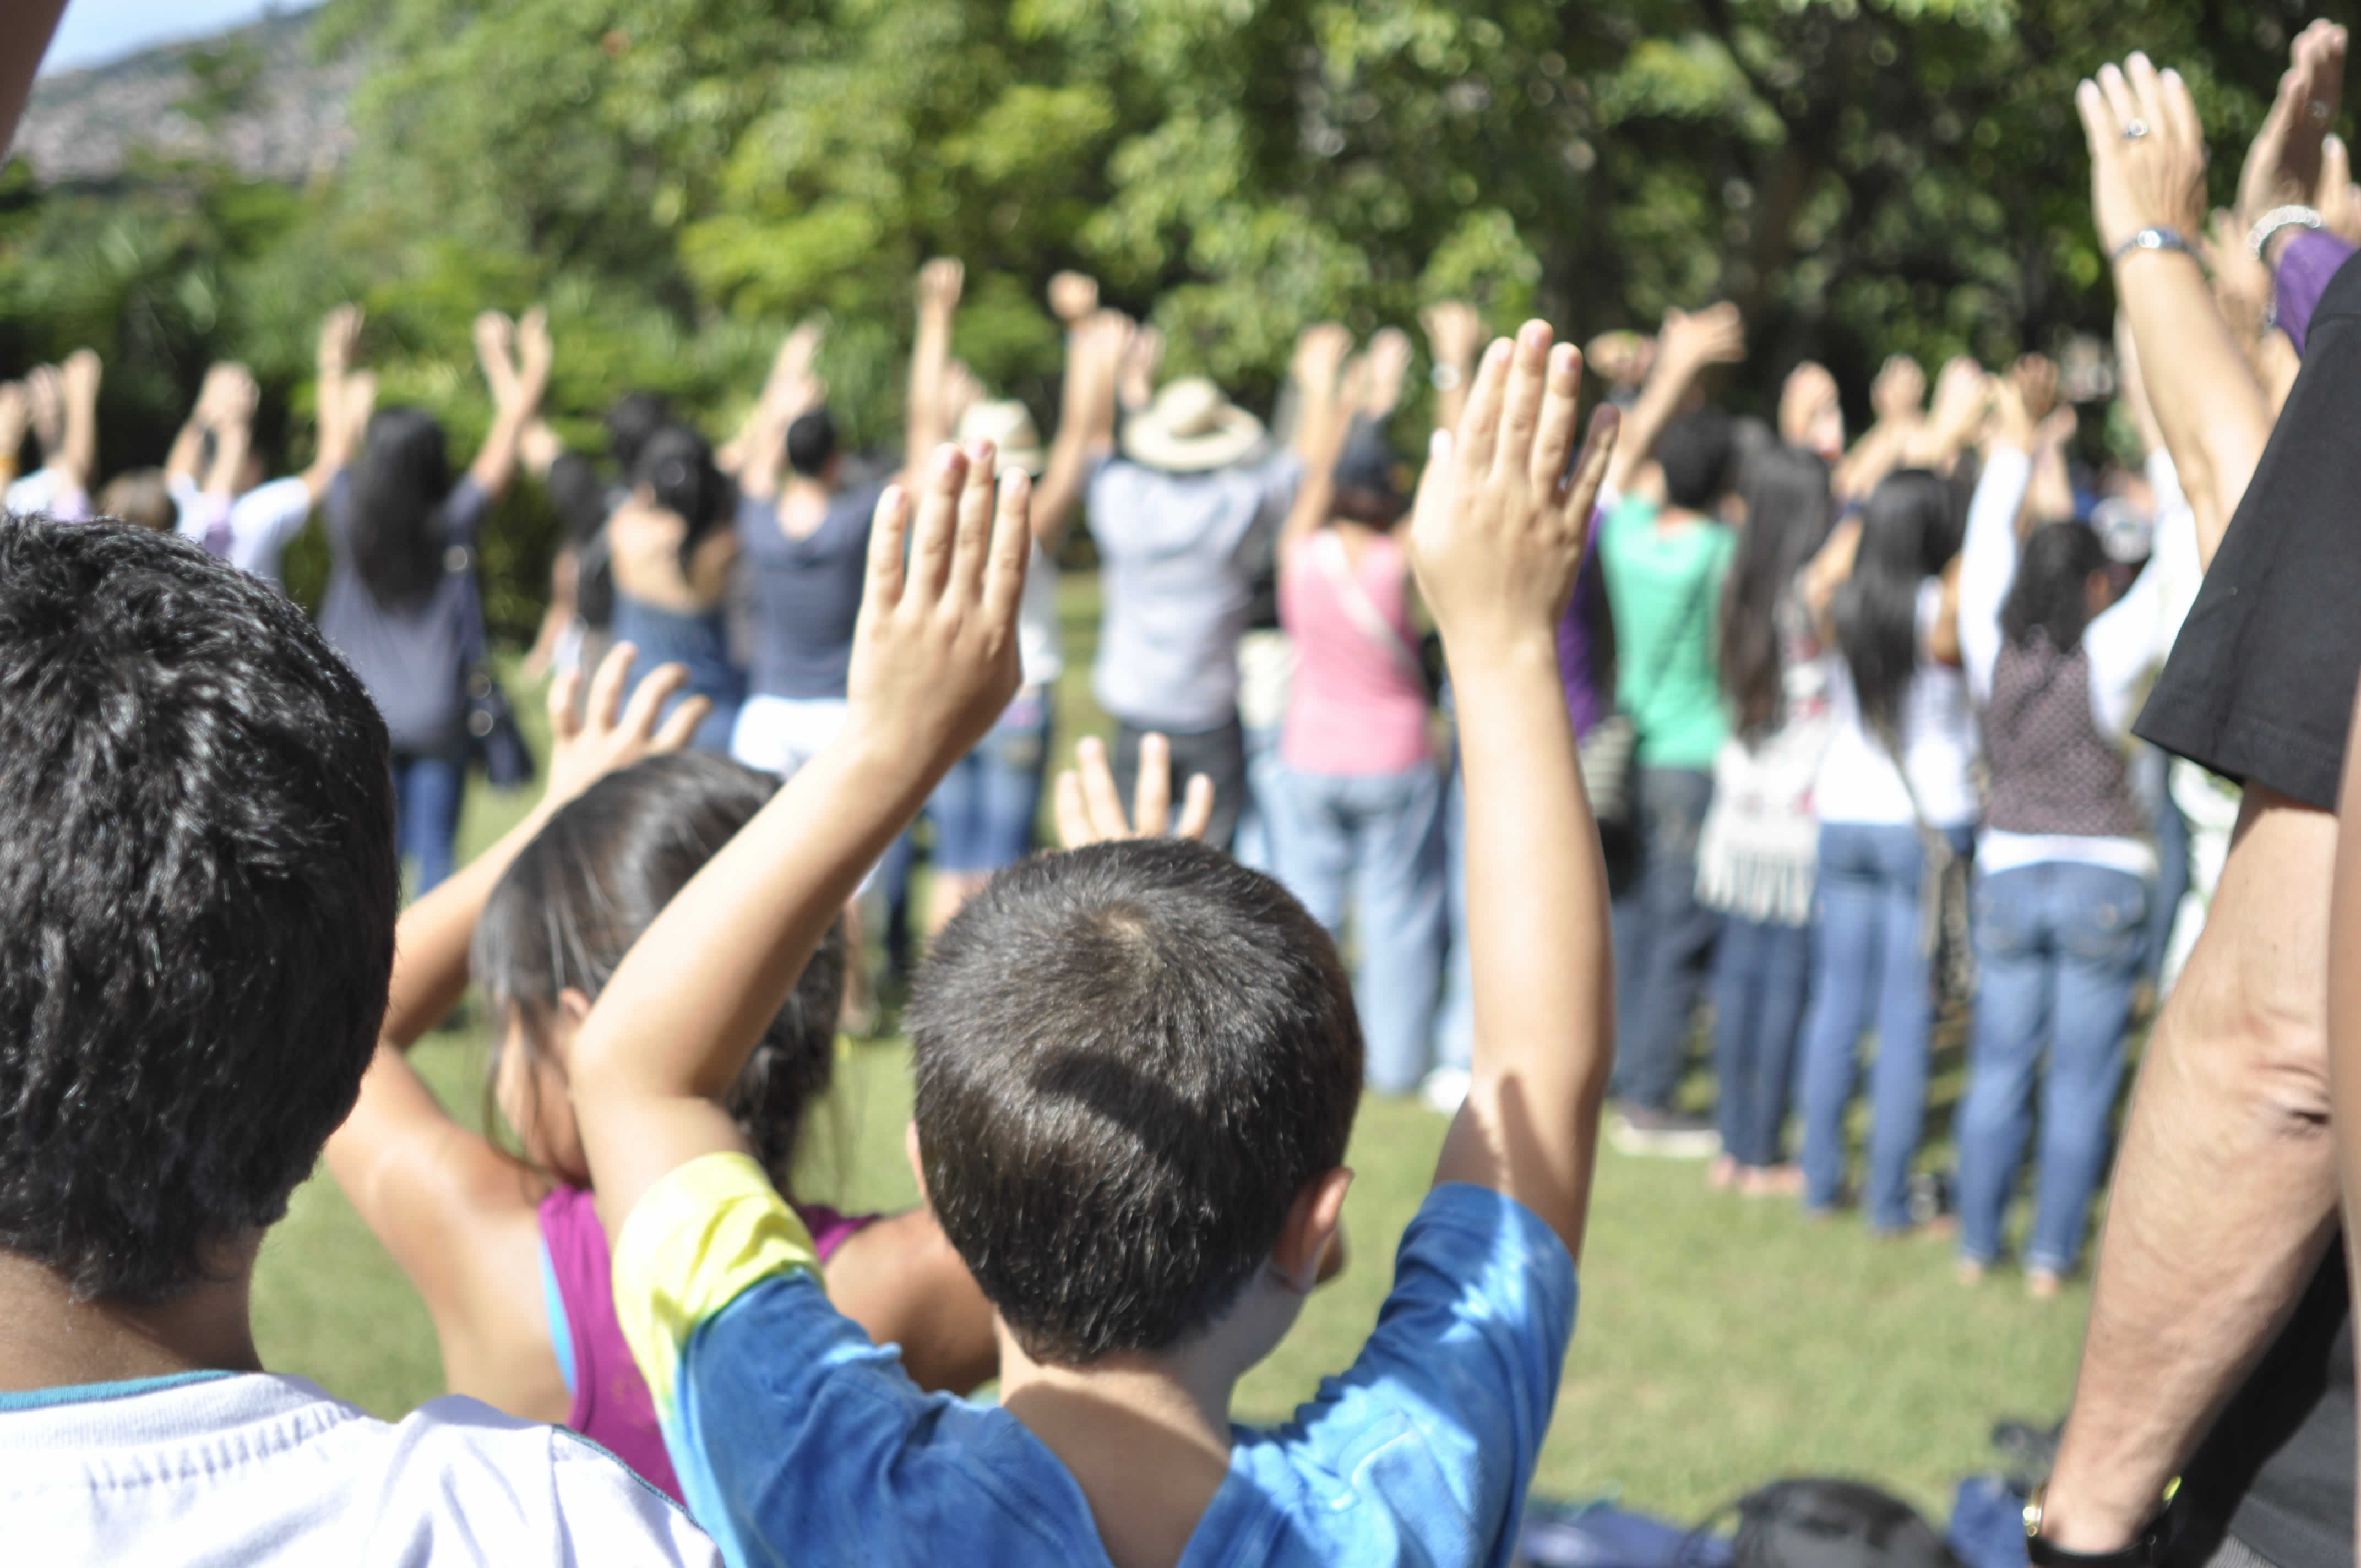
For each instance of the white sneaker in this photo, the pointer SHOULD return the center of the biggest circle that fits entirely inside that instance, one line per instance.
(1444, 1090)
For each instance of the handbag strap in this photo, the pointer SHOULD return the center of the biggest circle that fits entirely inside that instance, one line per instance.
(1328, 555)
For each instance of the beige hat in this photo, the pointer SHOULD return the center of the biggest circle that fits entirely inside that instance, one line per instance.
(1191, 428)
(1008, 426)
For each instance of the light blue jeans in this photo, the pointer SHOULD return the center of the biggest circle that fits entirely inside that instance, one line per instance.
(1455, 1023)
(428, 789)
(2058, 949)
(1375, 839)
(1870, 969)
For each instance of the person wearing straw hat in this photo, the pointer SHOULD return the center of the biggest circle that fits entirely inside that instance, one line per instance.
(983, 814)
(1177, 519)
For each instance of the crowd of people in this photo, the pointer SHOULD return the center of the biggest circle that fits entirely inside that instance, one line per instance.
(1582, 750)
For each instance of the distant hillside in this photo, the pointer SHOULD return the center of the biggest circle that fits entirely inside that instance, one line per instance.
(290, 117)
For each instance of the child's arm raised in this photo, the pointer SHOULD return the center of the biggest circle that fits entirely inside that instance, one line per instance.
(1496, 538)
(934, 663)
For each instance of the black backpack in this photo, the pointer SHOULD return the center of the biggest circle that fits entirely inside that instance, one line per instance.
(1821, 1523)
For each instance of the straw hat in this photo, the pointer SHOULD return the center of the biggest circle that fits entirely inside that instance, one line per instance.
(1191, 428)
(1008, 426)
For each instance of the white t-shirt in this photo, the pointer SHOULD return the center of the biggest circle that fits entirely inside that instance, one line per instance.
(262, 523)
(256, 1468)
(1858, 781)
(1039, 648)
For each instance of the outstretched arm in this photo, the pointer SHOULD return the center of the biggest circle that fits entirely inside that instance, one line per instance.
(939, 284)
(232, 432)
(1454, 333)
(934, 663)
(1323, 416)
(22, 43)
(1095, 343)
(342, 401)
(756, 453)
(1899, 398)
(1497, 540)
(517, 385)
(1686, 349)
(184, 462)
(78, 452)
(15, 412)
(2213, 412)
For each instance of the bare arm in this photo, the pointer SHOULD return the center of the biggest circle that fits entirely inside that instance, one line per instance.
(22, 43)
(517, 387)
(1899, 398)
(1497, 541)
(1454, 333)
(182, 463)
(934, 663)
(78, 453)
(1095, 346)
(2211, 409)
(755, 455)
(342, 402)
(14, 411)
(939, 283)
(233, 433)
(1323, 418)
(1686, 347)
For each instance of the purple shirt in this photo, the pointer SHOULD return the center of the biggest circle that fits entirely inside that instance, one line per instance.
(612, 1406)
(1578, 634)
(2309, 260)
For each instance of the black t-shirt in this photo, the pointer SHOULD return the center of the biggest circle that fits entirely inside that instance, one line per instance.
(2277, 1470)
(2259, 688)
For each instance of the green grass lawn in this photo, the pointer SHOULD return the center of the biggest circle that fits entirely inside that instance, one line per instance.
(1721, 1341)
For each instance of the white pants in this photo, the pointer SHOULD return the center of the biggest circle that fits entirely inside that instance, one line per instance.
(780, 734)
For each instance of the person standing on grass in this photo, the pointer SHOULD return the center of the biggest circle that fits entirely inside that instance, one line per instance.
(402, 602)
(1664, 568)
(1178, 517)
(671, 553)
(983, 812)
(2067, 861)
(1361, 822)
(1761, 839)
(1896, 768)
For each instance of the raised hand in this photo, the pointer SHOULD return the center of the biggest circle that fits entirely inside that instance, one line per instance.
(340, 337)
(934, 652)
(495, 338)
(1454, 333)
(1074, 297)
(2147, 152)
(534, 352)
(1497, 530)
(2285, 165)
(610, 735)
(1388, 363)
(939, 282)
(1136, 372)
(15, 413)
(2339, 200)
(1900, 391)
(1090, 812)
(1811, 414)
(1715, 335)
(1320, 351)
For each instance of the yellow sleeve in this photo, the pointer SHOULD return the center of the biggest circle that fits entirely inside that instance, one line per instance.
(693, 1244)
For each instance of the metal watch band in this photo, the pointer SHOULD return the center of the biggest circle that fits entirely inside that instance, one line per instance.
(2155, 238)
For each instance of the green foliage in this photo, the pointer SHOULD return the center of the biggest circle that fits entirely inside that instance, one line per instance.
(681, 178)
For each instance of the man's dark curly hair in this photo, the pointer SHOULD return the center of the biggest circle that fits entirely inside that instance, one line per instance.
(197, 903)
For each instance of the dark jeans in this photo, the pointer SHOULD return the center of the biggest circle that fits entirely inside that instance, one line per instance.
(428, 788)
(1664, 938)
(1219, 754)
(2058, 950)
(1762, 973)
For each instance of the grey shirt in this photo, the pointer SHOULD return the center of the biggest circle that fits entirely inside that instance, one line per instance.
(1176, 551)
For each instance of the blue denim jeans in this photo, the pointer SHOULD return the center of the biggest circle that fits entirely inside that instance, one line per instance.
(1455, 1021)
(983, 812)
(1664, 938)
(1870, 970)
(1761, 972)
(1255, 847)
(1375, 839)
(428, 788)
(2058, 949)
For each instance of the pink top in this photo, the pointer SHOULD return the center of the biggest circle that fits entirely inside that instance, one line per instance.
(612, 1406)
(1358, 705)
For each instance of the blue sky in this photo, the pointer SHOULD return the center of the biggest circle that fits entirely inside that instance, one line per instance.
(95, 31)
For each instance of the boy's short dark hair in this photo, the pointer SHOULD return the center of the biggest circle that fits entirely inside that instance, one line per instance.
(197, 902)
(1698, 451)
(1130, 1058)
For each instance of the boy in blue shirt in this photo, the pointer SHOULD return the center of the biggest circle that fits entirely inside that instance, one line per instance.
(1138, 1066)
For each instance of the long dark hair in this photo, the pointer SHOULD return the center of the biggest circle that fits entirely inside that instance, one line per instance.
(1788, 510)
(2051, 595)
(399, 487)
(677, 466)
(576, 899)
(1876, 612)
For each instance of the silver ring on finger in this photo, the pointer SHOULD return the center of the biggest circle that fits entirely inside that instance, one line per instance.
(2135, 128)
(2319, 111)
